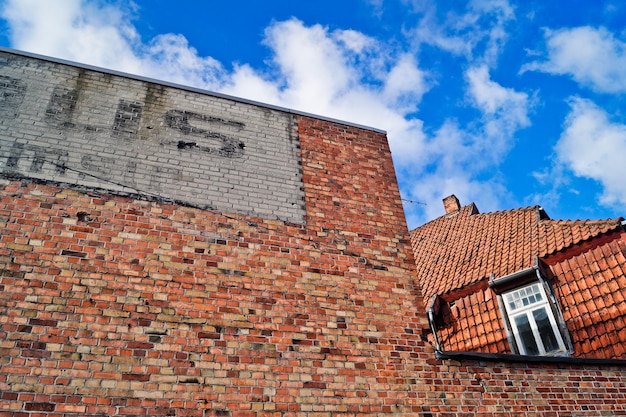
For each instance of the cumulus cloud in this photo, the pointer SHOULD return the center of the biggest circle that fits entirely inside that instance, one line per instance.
(504, 111)
(406, 83)
(458, 156)
(592, 146)
(457, 160)
(591, 56)
(478, 33)
(102, 34)
(97, 34)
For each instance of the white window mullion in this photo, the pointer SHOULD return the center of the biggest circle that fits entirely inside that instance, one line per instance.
(518, 338)
(533, 325)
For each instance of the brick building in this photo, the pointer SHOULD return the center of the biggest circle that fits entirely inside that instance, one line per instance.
(168, 251)
(516, 281)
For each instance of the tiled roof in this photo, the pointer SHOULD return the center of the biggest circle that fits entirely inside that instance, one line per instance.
(473, 323)
(591, 289)
(465, 246)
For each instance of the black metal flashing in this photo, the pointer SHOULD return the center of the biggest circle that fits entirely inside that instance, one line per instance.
(556, 360)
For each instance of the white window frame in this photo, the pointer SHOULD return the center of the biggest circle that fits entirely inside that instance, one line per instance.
(523, 301)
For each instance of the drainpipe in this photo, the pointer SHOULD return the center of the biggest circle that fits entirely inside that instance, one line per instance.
(431, 311)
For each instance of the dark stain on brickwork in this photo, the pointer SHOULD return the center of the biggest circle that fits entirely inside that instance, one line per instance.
(42, 322)
(315, 384)
(189, 381)
(73, 253)
(127, 119)
(135, 377)
(38, 156)
(83, 216)
(12, 92)
(60, 111)
(9, 273)
(186, 145)
(36, 353)
(225, 145)
(39, 407)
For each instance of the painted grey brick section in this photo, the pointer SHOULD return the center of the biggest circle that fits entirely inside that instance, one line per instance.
(97, 130)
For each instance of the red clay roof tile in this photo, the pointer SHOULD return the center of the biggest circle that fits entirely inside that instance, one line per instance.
(464, 247)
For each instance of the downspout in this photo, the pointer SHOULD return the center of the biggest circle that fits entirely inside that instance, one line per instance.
(431, 311)
(507, 324)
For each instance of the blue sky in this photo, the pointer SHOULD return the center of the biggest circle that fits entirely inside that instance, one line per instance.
(502, 103)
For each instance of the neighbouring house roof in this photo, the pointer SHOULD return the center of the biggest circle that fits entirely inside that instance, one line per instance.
(464, 247)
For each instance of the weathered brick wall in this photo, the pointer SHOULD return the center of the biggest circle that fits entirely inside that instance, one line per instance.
(114, 305)
(96, 130)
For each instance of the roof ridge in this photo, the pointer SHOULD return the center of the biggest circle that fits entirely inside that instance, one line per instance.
(472, 207)
(519, 209)
(616, 220)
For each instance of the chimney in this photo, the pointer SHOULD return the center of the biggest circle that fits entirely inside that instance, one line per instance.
(451, 204)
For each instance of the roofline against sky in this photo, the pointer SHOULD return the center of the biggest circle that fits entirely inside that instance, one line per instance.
(187, 88)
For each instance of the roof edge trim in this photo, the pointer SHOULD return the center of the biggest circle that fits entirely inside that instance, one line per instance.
(507, 357)
(186, 88)
(514, 279)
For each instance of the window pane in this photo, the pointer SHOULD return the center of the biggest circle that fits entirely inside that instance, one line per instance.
(524, 297)
(529, 346)
(546, 332)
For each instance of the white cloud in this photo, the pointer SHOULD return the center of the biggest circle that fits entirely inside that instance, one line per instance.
(355, 41)
(95, 34)
(492, 98)
(169, 57)
(478, 33)
(317, 72)
(245, 82)
(504, 112)
(314, 66)
(100, 34)
(501, 14)
(406, 83)
(593, 147)
(593, 57)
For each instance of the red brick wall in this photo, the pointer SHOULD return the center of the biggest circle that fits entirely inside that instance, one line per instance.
(114, 306)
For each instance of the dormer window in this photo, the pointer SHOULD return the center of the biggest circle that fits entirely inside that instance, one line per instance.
(531, 315)
(532, 322)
